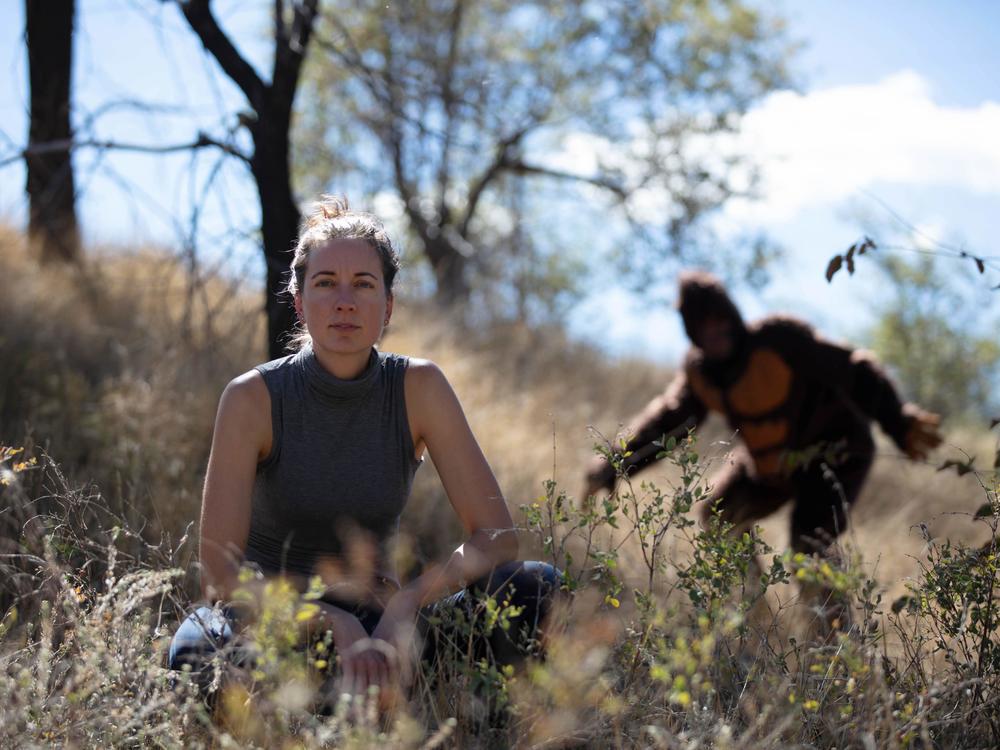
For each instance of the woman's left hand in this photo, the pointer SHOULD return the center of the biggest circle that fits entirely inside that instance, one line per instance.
(396, 630)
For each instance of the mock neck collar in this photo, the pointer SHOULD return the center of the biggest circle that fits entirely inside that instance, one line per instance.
(330, 386)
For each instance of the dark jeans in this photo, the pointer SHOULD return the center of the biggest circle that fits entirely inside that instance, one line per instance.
(529, 586)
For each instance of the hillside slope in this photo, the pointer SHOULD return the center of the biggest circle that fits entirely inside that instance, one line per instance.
(115, 369)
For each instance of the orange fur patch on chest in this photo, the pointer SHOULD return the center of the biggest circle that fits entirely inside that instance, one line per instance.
(764, 434)
(709, 395)
(764, 386)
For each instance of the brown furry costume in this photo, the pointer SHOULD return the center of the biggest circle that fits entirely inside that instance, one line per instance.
(802, 406)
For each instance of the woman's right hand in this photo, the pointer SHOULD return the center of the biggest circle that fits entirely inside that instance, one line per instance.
(362, 662)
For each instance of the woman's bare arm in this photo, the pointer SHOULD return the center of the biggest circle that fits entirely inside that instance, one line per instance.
(242, 437)
(438, 422)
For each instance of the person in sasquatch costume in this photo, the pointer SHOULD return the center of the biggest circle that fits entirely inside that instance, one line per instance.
(802, 406)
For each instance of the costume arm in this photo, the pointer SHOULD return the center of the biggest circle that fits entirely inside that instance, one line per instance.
(858, 374)
(675, 411)
(913, 429)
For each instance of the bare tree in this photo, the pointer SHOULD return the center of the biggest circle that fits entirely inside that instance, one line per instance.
(52, 222)
(269, 123)
(452, 104)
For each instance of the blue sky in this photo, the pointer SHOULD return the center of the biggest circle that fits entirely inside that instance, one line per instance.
(929, 146)
(899, 99)
(952, 45)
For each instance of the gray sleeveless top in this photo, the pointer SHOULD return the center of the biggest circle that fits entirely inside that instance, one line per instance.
(340, 468)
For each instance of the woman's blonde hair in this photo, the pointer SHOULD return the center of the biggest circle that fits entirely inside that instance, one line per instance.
(332, 219)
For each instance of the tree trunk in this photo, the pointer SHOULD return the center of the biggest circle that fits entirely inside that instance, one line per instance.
(52, 224)
(279, 225)
(451, 285)
(270, 129)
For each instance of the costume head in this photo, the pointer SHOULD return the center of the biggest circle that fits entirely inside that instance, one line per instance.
(701, 296)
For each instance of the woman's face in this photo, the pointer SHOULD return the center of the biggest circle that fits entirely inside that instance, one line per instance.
(343, 301)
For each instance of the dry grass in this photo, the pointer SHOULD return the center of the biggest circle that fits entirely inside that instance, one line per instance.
(114, 370)
(539, 404)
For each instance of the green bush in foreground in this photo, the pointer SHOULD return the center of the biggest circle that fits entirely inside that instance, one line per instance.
(666, 635)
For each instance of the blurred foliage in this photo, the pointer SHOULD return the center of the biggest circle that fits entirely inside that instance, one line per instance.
(524, 141)
(942, 349)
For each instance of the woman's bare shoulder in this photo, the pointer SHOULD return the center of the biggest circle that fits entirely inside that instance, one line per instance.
(422, 369)
(247, 400)
(248, 387)
(425, 380)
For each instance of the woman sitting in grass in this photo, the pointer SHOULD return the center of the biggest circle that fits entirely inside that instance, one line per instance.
(312, 462)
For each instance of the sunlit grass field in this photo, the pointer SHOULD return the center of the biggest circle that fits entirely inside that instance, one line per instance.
(109, 377)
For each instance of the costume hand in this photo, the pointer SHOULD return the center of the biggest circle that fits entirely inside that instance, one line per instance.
(362, 662)
(923, 434)
(600, 476)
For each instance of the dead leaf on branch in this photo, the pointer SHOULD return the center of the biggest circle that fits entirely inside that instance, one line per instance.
(835, 263)
(839, 261)
(961, 467)
(980, 265)
(985, 511)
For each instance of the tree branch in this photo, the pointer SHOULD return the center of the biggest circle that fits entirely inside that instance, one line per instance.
(605, 183)
(279, 20)
(448, 102)
(406, 191)
(376, 81)
(500, 161)
(199, 16)
(289, 53)
(303, 24)
(52, 147)
(351, 58)
(393, 140)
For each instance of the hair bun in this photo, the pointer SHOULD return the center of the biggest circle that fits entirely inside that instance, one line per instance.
(326, 208)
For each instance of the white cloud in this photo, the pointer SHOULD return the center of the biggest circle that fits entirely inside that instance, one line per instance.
(825, 146)
(821, 148)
